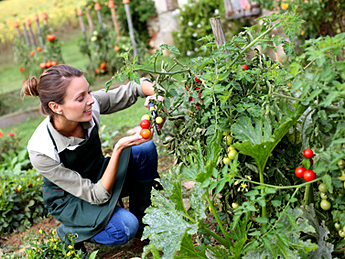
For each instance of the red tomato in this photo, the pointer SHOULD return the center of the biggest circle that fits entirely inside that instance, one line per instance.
(145, 133)
(299, 171)
(50, 37)
(308, 153)
(244, 66)
(309, 175)
(145, 124)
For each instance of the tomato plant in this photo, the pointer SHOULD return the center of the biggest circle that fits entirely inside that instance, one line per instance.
(272, 111)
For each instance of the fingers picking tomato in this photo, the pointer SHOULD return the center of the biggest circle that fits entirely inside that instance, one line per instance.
(145, 124)
(299, 171)
(309, 175)
(308, 153)
(145, 133)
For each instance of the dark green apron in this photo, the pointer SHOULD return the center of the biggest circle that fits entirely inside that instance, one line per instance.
(78, 217)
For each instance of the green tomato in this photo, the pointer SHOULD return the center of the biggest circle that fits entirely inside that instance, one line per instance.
(341, 164)
(337, 225)
(231, 148)
(146, 117)
(232, 154)
(341, 233)
(325, 205)
(226, 161)
(322, 188)
(323, 196)
(234, 205)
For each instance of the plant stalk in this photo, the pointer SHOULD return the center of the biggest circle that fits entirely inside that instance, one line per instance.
(251, 44)
(228, 241)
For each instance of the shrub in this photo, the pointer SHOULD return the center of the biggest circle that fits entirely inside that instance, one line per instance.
(21, 202)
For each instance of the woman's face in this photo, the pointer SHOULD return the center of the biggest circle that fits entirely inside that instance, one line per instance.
(78, 101)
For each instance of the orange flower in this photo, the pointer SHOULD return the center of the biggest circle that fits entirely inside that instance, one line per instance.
(1, 134)
(116, 48)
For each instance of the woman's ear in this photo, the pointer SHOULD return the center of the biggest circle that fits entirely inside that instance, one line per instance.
(55, 108)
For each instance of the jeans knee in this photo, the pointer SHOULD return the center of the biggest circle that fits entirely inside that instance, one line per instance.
(119, 230)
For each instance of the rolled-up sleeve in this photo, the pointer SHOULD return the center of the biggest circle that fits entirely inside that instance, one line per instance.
(69, 180)
(119, 98)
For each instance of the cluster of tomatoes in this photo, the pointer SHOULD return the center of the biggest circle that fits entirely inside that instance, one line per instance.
(324, 204)
(48, 64)
(102, 67)
(302, 172)
(231, 151)
(145, 125)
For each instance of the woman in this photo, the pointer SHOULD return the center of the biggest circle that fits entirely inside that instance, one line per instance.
(81, 187)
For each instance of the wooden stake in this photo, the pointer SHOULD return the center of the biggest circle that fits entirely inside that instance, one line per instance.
(99, 16)
(130, 26)
(26, 34)
(218, 32)
(89, 19)
(111, 5)
(81, 22)
(39, 30)
(32, 38)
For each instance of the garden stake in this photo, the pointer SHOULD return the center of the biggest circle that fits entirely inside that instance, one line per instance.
(99, 16)
(111, 5)
(39, 30)
(130, 26)
(16, 25)
(81, 21)
(89, 19)
(26, 34)
(32, 38)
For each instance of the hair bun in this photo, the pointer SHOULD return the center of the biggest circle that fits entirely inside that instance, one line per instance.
(30, 87)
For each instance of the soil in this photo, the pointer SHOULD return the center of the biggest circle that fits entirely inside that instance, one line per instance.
(133, 249)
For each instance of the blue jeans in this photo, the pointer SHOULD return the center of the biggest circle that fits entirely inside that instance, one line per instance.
(123, 225)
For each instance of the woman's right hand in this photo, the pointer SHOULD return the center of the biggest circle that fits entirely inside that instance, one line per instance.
(130, 141)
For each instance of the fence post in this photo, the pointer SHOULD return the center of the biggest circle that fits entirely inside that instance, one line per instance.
(38, 30)
(111, 5)
(218, 33)
(89, 18)
(130, 26)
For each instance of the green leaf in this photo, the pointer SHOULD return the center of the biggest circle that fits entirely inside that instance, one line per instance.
(189, 251)
(166, 226)
(259, 141)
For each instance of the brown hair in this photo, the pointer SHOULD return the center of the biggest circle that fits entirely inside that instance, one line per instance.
(51, 86)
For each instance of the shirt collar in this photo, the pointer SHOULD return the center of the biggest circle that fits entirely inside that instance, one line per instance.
(63, 142)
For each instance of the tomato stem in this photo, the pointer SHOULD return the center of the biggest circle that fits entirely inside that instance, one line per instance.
(279, 187)
(283, 213)
(228, 241)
